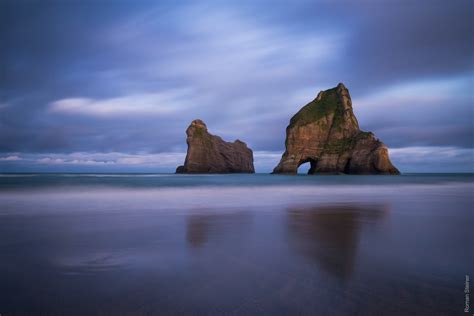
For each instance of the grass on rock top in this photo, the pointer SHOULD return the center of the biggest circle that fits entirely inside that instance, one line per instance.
(316, 110)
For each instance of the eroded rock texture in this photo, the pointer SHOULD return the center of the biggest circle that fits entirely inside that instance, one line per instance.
(325, 132)
(208, 153)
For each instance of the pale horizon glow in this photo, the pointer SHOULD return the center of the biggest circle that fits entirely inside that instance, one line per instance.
(264, 161)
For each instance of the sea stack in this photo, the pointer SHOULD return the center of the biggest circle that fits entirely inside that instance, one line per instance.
(208, 153)
(325, 133)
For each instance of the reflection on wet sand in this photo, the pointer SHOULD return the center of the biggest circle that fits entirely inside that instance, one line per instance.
(199, 227)
(328, 235)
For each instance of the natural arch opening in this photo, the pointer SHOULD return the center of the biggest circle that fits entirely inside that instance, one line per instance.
(347, 167)
(307, 166)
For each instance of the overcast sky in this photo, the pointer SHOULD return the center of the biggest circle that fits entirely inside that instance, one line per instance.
(112, 85)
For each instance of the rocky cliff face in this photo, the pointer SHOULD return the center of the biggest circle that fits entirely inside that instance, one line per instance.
(325, 132)
(210, 154)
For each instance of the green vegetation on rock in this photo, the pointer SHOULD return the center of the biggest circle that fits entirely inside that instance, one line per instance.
(317, 109)
(339, 146)
(199, 132)
(342, 145)
(363, 134)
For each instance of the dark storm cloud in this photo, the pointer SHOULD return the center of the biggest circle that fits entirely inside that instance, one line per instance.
(406, 40)
(128, 77)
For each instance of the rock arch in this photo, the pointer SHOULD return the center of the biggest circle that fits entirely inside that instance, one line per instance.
(326, 132)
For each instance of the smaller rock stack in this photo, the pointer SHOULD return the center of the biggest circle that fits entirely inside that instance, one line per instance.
(208, 153)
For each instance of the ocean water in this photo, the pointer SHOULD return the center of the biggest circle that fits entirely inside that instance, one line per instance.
(159, 244)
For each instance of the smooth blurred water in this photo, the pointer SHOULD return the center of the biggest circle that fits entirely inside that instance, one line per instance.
(97, 244)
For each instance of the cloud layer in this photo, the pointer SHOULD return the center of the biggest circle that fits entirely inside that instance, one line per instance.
(128, 78)
(409, 159)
